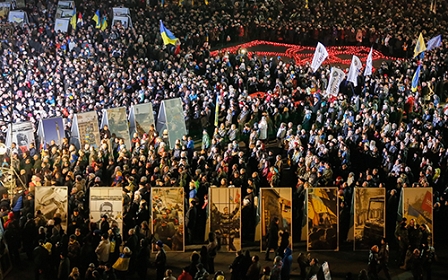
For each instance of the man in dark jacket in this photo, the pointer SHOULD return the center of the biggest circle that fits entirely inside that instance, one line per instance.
(287, 264)
(190, 221)
(41, 259)
(236, 266)
(383, 258)
(160, 260)
(373, 263)
(272, 238)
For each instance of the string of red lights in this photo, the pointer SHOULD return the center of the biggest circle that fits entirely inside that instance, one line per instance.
(296, 52)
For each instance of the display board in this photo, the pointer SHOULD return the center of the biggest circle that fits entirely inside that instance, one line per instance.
(51, 129)
(52, 202)
(141, 117)
(22, 135)
(276, 202)
(323, 213)
(4, 9)
(168, 217)
(369, 217)
(85, 130)
(225, 217)
(116, 119)
(61, 25)
(416, 203)
(106, 201)
(171, 118)
(18, 16)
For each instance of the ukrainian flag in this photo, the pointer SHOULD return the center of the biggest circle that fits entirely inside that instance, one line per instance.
(73, 20)
(167, 36)
(104, 23)
(415, 79)
(97, 19)
(420, 46)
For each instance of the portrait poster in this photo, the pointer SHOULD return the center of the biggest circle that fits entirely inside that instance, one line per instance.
(168, 217)
(369, 217)
(323, 212)
(118, 124)
(276, 202)
(53, 130)
(417, 204)
(4, 9)
(22, 135)
(225, 217)
(88, 131)
(106, 201)
(53, 202)
(141, 117)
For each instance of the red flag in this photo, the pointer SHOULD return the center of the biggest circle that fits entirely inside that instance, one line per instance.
(427, 202)
(177, 50)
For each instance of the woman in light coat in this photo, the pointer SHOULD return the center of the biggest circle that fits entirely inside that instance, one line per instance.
(103, 249)
(263, 127)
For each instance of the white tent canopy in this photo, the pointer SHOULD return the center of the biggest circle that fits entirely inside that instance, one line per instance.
(18, 16)
(121, 11)
(66, 4)
(65, 13)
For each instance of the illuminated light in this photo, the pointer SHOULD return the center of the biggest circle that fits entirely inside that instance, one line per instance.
(296, 52)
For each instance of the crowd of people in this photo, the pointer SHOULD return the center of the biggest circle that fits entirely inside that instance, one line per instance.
(376, 134)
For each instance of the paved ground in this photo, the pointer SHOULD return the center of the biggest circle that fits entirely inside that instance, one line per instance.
(341, 263)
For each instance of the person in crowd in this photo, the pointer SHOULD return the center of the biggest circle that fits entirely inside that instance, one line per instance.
(212, 251)
(272, 237)
(160, 261)
(254, 271)
(103, 249)
(373, 263)
(383, 258)
(314, 268)
(236, 268)
(276, 271)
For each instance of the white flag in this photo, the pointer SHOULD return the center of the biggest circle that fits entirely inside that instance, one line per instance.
(319, 56)
(369, 67)
(336, 78)
(354, 69)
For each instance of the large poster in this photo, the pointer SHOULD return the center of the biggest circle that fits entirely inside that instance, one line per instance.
(369, 217)
(4, 9)
(118, 124)
(106, 201)
(89, 132)
(276, 203)
(225, 217)
(141, 118)
(168, 217)
(417, 204)
(171, 118)
(323, 209)
(22, 135)
(53, 202)
(53, 130)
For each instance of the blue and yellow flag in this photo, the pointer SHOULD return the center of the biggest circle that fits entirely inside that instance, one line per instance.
(415, 79)
(97, 19)
(167, 36)
(104, 23)
(73, 20)
(420, 46)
